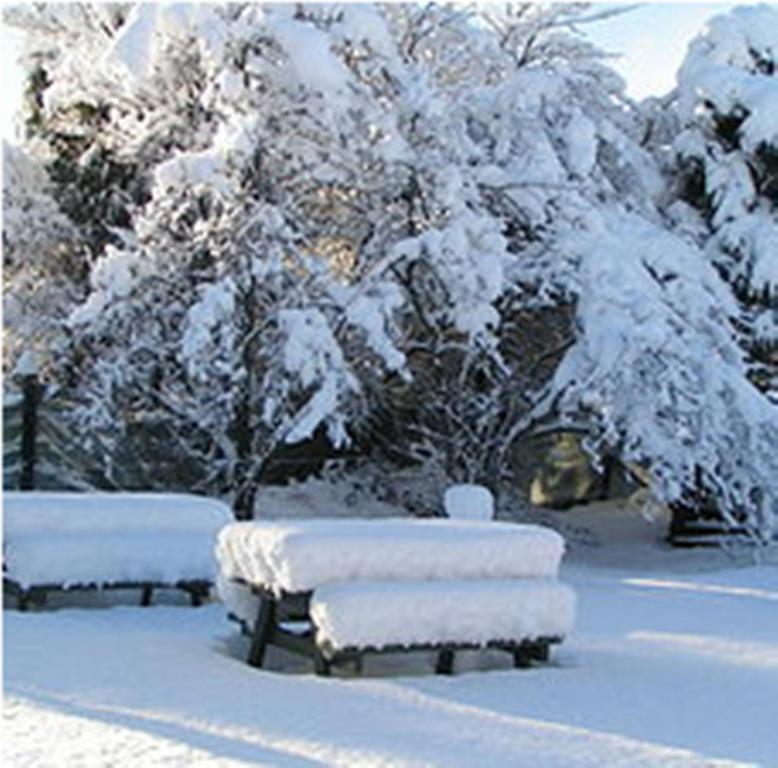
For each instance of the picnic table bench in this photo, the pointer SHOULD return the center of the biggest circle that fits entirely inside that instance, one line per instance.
(351, 587)
(68, 541)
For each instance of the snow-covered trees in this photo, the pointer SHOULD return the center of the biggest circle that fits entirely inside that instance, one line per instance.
(43, 264)
(431, 228)
(531, 136)
(728, 154)
(659, 372)
(226, 314)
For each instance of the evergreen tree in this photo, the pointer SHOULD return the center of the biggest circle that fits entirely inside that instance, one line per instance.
(727, 153)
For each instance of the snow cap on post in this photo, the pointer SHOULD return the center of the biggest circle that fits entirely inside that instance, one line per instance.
(469, 502)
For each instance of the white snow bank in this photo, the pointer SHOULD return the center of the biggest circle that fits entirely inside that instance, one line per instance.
(75, 538)
(379, 614)
(297, 556)
(469, 502)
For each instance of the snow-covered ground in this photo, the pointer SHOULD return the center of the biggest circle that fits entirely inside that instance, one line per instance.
(674, 662)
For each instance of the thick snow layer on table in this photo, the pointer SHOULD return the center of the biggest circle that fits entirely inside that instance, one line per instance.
(297, 556)
(379, 614)
(33, 511)
(74, 538)
(468, 502)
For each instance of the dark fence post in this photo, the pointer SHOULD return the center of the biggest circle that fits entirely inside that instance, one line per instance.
(31, 395)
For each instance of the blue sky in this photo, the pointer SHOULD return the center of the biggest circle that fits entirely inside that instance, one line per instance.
(651, 41)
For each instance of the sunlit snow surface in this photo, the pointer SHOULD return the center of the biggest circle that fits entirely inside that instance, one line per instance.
(674, 662)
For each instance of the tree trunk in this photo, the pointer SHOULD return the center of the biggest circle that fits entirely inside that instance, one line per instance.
(31, 400)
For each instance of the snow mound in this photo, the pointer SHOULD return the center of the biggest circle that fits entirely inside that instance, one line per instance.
(381, 614)
(298, 556)
(469, 502)
(74, 538)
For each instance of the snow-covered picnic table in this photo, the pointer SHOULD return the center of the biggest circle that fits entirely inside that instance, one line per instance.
(57, 541)
(395, 583)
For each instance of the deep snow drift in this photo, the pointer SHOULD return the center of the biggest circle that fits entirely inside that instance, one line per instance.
(673, 662)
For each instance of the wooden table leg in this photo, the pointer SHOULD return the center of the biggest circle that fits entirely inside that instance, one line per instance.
(33, 596)
(522, 658)
(445, 663)
(320, 664)
(197, 594)
(541, 651)
(263, 627)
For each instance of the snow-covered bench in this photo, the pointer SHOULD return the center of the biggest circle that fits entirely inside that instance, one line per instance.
(385, 585)
(62, 541)
(520, 616)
